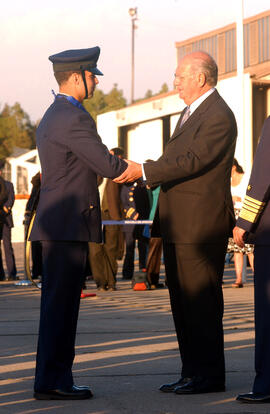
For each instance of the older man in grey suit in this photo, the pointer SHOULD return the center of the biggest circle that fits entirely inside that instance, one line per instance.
(196, 217)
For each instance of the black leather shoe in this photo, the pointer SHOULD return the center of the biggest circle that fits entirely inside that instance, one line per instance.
(200, 385)
(253, 398)
(171, 387)
(74, 393)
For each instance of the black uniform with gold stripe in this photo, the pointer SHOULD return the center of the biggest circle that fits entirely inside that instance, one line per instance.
(135, 201)
(255, 219)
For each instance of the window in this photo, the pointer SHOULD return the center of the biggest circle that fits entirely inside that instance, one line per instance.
(22, 180)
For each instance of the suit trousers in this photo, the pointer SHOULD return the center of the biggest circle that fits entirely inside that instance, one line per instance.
(36, 251)
(63, 275)
(194, 277)
(2, 271)
(9, 253)
(262, 319)
(153, 260)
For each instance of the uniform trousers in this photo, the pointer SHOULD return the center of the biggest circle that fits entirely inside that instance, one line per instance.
(9, 254)
(194, 277)
(262, 319)
(62, 279)
(128, 265)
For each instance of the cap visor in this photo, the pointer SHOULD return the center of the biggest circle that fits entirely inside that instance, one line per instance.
(95, 71)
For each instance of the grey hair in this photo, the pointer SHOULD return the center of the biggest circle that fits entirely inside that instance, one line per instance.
(209, 68)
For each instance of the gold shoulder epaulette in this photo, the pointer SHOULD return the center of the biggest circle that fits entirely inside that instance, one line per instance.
(251, 209)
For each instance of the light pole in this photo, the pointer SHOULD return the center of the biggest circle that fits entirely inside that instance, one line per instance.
(133, 14)
(240, 75)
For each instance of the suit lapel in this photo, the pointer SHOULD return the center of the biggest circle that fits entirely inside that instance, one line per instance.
(177, 129)
(195, 116)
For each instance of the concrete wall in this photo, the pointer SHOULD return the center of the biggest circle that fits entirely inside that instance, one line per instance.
(29, 168)
(145, 141)
(230, 90)
(107, 129)
(18, 217)
(268, 102)
(109, 123)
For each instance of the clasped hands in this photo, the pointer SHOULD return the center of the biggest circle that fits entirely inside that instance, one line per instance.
(132, 173)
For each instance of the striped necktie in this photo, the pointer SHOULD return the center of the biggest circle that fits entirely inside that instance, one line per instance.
(185, 116)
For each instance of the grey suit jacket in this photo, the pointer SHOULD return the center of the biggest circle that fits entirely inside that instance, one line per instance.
(195, 204)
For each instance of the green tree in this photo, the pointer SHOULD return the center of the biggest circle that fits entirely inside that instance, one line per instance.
(101, 102)
(164, 88)
(96, 104)
(16, 129)
(114, 99)
(6, 144)
(148, 94)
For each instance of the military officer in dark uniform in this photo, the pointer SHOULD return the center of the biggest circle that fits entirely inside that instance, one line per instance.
(30, 208)
(254, 224)
(3, 199)
(136, 205)
(7, 226)
(68, 216)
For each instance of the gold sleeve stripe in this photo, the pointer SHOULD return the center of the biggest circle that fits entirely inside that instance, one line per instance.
(254, 201)
(248, 215)
(252, 208)
(130, 212)
(248, 203)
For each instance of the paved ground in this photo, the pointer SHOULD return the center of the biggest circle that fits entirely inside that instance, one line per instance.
(126, 348)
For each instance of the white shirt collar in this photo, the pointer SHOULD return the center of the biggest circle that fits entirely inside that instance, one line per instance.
(200, 100)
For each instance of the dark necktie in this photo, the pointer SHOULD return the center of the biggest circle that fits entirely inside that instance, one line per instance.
(185, 116)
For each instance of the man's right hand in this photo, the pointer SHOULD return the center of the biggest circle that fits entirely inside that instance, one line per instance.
(132, 173)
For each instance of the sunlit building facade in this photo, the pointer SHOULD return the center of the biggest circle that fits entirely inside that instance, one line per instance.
(144, 128)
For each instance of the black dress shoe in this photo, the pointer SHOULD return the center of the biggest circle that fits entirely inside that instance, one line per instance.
(171, 387)
(253, 398)
(200, 385)
(73, 393)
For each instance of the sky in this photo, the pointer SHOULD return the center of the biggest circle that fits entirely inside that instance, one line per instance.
(32, 30)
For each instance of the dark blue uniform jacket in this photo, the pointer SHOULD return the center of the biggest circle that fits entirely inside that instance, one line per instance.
(71, 155)
(255, 214)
